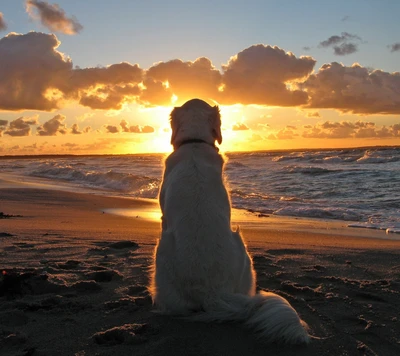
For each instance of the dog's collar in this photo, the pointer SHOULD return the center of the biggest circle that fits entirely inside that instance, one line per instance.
(197, 140)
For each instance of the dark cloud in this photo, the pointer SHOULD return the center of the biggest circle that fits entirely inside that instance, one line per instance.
(395, 47)
(21, 126)
(75, 129)
(239, 126)
(334, 40)
(53, 127)
(136, 128)
(3, 25)
(341, 45)
(111, 129)
(3, 122)
(345, 18)
(53, 17)
(354, 89)
(260, 75)
(345, 48)
(346, 129)
(306, 48)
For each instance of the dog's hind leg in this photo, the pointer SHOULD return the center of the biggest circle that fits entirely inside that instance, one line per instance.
(246, 283)
(167, 296)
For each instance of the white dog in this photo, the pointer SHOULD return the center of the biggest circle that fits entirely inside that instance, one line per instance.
(202, 268)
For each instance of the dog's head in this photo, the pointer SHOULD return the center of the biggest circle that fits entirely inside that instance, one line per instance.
(195, 120)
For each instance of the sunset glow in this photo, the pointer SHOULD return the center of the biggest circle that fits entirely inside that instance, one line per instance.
(310, 86)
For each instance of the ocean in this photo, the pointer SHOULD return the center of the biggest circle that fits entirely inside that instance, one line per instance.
(358, 185)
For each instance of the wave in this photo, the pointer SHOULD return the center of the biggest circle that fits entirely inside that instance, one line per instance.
(320, 213)
(308, 170)
(135, 185)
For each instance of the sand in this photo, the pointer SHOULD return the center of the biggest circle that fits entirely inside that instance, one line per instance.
(74, 277)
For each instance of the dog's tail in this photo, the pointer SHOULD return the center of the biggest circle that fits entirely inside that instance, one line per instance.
(270, 315)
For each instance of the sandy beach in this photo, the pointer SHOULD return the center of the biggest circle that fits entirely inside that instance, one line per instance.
(74, 272)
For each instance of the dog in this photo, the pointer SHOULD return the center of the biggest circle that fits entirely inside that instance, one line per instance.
(202, 270)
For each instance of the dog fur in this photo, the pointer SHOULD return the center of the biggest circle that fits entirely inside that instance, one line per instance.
(202, 269)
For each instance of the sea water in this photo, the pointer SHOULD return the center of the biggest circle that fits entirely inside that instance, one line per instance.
(359, 185)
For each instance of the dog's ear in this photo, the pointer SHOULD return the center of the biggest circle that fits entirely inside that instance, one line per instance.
(216, 124)
(174, 124)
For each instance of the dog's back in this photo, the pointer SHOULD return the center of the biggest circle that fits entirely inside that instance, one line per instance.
(196, 215)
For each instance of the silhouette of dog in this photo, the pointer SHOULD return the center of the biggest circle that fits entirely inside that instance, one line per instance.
(202, 269)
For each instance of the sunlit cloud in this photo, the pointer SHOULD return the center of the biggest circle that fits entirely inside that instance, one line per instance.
(287, 133)
(346, 129)
(53, 17)
(3, 124)
(29, 66)
(53, 127)
(313, 114)
(3, 24)
(21, 126)
(354, 89)
(36, 76)
(259, 75)
(239, 126)
(186, 80)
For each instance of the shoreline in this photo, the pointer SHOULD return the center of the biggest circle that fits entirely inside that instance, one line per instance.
(242, 217)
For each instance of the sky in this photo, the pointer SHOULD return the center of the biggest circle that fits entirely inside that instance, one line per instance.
(98, 77)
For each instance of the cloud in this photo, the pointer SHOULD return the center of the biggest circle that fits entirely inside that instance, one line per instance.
(260, 75)
(111, 129)
(35, 76)
(105, 87)
(239, 126)
(341, 45)
(21, 126)
(53, 127)
(347, 129)
(313, 114)
(186, 80)
(395, 47)
(136, 128)
(75, 129)
(354, 89)
(3, 25)
(53, 17)
(287, 133)
(3, 124)
(345, 48)
(30, 66)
